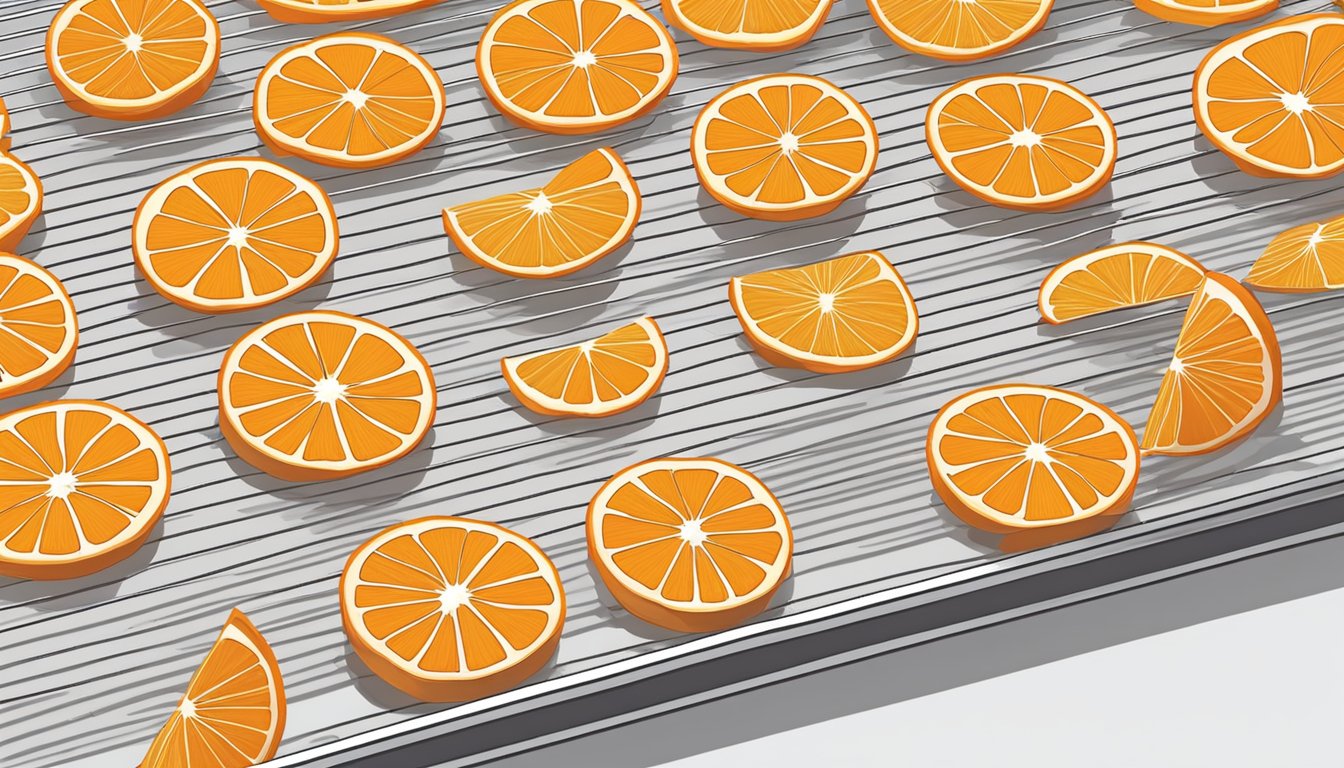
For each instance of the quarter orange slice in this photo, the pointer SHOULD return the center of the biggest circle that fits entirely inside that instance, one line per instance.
(753, 25)
(840, 315)
(132, 59)
(20, 200)
(587, 211)
(1115, 277)
(956, 30)
(349, 100)
(1224, 378)
(449, 609)
(38, 327)
(320, 394)
(82, 484)
(575, 66)
(324, 11)
(783, 147)
(234, 234)
(1272, 98)
(1303, 259)
(1022, 141)
(1017, 458)
(608, 375)
(694, 545)
(233, 712)
(1206, 13)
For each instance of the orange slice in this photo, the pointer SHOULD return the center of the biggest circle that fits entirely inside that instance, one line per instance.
(1303, 259)
(783, 147)
(4, 126)
(234, 234)
(350, 100)
(587, 211)
(132, 59)
(1272, 98)
(602, 377)
(20, 200)
(449, 609)
(38, 327)
(320, 394)
(575, 66)
(82, 484)
(1021, 141)
(955, 30)
(694, 545)
(753, 25)
(324, 11)
(1206, 13)
(1224, 378)
(1115, 277)
(233, 712)
(840, 315)
(1019, 457)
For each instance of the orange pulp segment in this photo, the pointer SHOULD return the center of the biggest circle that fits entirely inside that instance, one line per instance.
(955, 30)
(20, 200)
(1115, 277)
(324, 11)
(1304, 259)
(753, 25)
(38, 327)
(608, 375)
(1206, 13)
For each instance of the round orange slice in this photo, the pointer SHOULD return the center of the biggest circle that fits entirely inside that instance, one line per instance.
(1272, 98)
(1304, 259)
(753, 25)
(1016, 457)
(332, 11)
(20, 200)
(233, 713)
(694, 545)
(319, 395)
(132, 59)
(835, 316)
(783, 147)
(1021, 141)
(234, 234)
(450, 609)
(575, 66)
(350, 100)
(82, 484)
(38, 327)
(956, 30)
(1224, 378)
(602, 377)
(1206, 13)
(587, 211)
(1116, 277)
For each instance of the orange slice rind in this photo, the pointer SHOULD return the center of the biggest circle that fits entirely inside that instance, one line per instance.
(39, 330)
(20, 200)
(1115, 277)
(1206, 13)
(1305, 259)
(955, 30)
(753, 25)
(331, 11)
(450, 609)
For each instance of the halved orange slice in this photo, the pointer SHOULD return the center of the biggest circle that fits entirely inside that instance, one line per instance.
(694, 545)
(608, 375)
(320, 394)
(584, 213)
(753, 25)
(233, 713)
(783, 147)
(20, 200)
(1206, 13)
(1115, 277)
(234, 234)
(82, 484)
(1018, 457)
(450, 609)
(349, 99)
(1022, 141)
(1272, 98)
(38, 327)
(575, 66)
(325, 11)
(1304, 259)
(840, 315)
(1224, 378)
(956, 30)
(132, 59)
